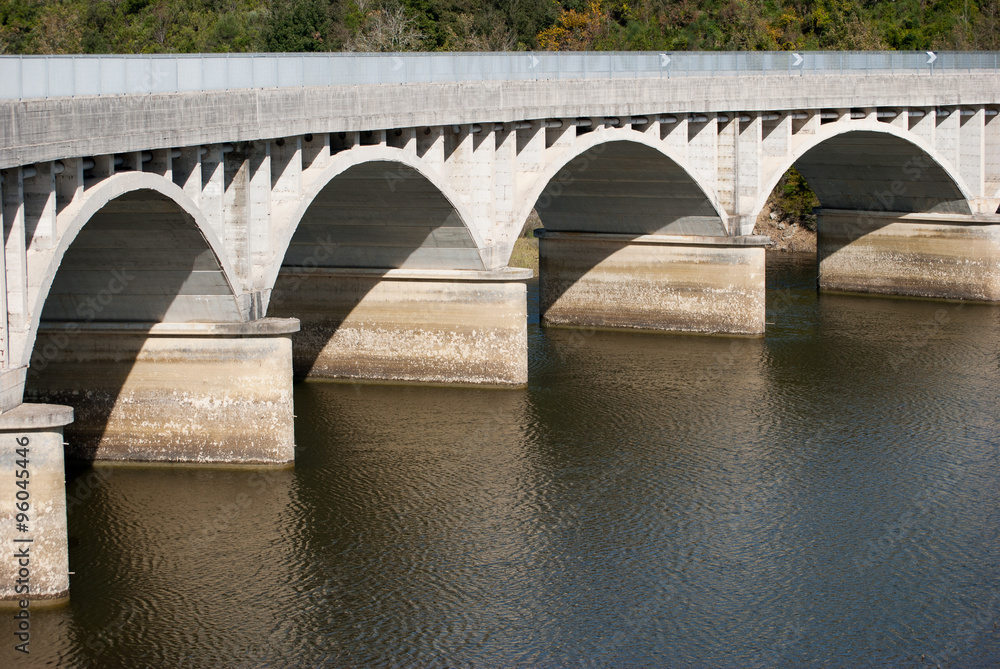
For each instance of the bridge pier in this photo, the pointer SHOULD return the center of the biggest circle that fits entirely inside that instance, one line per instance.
(37, 570)
(422, 326)
(673, 283)
(170, 392)
(948, 256)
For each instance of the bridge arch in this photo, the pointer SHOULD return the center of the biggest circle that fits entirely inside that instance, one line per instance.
(661, 193)
(872, 166)
(176, 219)
(391, 175)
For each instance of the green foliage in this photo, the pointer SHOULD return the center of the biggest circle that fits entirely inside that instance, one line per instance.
(157, 26)
(793, 200)
(297, 26)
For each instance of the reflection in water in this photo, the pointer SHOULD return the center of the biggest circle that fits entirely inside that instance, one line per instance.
(825, 496)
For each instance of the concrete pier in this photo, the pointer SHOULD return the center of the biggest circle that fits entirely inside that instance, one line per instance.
(671, 283)
(948, 256)
(424, 326)
(192, 392)
(35, 568)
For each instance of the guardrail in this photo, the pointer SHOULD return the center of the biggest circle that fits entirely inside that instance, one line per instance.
(68, 76)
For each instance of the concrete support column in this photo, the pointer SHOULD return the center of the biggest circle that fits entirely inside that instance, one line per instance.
(212, 183)
(991, 154)
(69, 182)
(35, 568)
(40, 207)
(946, 256)
(674, 133)
(430, 145)
(422, 326)
(12, 387)
(727, 157)
(703, 146)
(972, 148)
(946, 135)
(672, 283)
(15, 250)
(923, 123)
(166, 392)
(316, 150)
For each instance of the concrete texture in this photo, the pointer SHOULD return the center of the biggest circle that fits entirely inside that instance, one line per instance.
(919, 255)
(457, 327)
(171, 394)
(873, 171)
(194, 210)
(35, 567)
(38, 130)
(627, 187)
(652, 282)
(11, 387)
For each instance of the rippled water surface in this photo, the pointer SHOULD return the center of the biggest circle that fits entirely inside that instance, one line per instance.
(826, 496)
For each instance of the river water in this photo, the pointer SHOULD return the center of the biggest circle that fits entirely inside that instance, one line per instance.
(826, 496)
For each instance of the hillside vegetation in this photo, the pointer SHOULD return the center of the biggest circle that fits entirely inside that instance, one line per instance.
(181, 26)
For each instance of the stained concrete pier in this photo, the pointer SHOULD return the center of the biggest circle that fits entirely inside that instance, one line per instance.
(948, 256)
(192, 392)
(35, 568)
(671, 283)
(426, 326)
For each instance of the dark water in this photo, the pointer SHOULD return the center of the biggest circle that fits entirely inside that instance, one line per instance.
(824, 497)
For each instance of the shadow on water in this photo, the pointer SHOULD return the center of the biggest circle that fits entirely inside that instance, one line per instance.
(140, 260)
(370, 219)
(648, 500)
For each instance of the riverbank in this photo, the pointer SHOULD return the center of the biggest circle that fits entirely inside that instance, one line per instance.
(792, 237)
(786, 238)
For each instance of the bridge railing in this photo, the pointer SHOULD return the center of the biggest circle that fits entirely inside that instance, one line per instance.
(69, 76)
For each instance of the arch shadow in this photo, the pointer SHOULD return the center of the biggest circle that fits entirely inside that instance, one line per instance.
(619, 183)
(131, 258)
(366, 216)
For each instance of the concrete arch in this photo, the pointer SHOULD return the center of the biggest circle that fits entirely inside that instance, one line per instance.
(74, 218)
(632, 139)
(358, 157)
(943, 188)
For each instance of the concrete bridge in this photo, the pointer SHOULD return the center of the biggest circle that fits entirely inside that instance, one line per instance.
(184, 234)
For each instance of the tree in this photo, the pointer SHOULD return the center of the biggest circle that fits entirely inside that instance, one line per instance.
(384, 27)
(576, 31)
(297, 25)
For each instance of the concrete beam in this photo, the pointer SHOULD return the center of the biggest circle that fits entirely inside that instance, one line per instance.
(52, 129)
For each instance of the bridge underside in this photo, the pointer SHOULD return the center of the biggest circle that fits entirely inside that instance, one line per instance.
(631, 240)
(142, 335)
(627, 188)
(894, 222)
(389, 285)
(870, 171)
